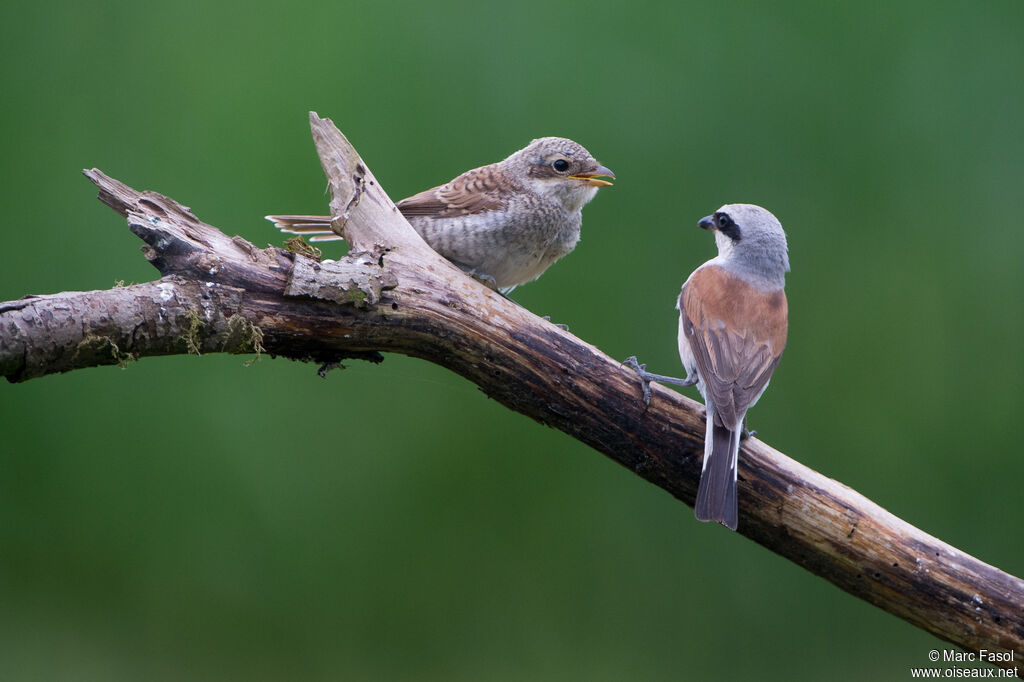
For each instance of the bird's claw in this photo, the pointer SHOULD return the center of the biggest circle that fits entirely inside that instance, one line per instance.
(645, 377)
(563, 327)
(484, 279)
(634, 364)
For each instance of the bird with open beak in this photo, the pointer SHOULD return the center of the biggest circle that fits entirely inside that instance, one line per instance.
(505, 223)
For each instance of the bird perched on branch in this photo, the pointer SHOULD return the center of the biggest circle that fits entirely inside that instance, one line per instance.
(506, 222)
(733, 319)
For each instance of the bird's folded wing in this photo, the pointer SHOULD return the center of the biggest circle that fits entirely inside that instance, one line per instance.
(481, 189)
(737, 333)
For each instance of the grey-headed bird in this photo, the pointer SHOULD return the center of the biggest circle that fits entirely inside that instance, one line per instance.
(506, 222)
(733, 319)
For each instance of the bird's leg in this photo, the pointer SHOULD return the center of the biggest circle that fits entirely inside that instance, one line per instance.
(647, 377)
(744, 433)
(484, 279)
(561, 326)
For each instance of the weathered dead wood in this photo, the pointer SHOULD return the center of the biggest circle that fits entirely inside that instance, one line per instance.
(392, 293)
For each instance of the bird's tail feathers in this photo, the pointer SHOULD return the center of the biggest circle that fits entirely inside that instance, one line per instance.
(317, 228)
(716, 495)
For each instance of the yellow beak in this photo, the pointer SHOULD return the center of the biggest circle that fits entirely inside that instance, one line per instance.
(594, 177)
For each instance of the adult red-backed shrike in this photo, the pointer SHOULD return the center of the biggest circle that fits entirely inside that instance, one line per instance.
(506, 222)
(733, 318)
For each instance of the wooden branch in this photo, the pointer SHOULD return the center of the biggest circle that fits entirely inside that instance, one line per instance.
(392, 293)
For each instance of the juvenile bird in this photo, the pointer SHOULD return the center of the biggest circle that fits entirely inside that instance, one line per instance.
(733, 319)
(506, 222)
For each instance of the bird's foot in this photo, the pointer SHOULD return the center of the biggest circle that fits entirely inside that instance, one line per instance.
(645, 381)
(484, 279)
(744, 432)
(564, 327)
(647, 377)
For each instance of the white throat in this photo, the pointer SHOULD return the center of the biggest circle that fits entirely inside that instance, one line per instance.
(572, 194)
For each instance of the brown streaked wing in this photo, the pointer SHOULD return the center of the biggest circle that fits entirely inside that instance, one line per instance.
(737, 334)
(481, 189)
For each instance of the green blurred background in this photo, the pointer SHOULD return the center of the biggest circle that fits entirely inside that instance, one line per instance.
(192, 518)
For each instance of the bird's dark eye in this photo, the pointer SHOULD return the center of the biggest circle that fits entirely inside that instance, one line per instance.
(727, 226)
(560, 165)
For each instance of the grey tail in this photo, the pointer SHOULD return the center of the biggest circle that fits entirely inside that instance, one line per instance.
(316, 227)
(716, 496)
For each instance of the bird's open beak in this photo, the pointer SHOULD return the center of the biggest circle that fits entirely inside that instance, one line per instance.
(594, 177)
